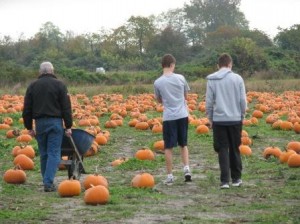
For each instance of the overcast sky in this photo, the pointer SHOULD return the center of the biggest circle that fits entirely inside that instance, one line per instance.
(82, 16)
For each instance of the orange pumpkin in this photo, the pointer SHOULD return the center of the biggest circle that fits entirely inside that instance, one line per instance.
(246, 140)
(297, 127)
(244, 133)
(257, 114)
(94, 180)
(157, 128)
(110, 124)
(24, 138)
(145, 154)
(143, 180)
(294, 160)
(24, 162)
(202, 129)
(284, 156)
(133, 122)
(12, 133)
(294, 145)
(271, 151)
(96, 195)
(142, 125)
(15, 150)
(14, 176)
(159, 145)
(101, 139)
(8, 120)
(27, 150)
(4, 126)
(119, 161)
(245, 150)
(69, 188)
(286, 125)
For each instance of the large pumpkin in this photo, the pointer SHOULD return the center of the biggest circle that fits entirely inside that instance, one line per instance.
(26, 138)
(101, 139)
(294, 160)
(69, 188)
(159, 145)
(142, 125)
(96, 195)
(245, 150)
(24, 162)
(202, 129)
(14, 176)
(294, 145)
(271, 151)
(94, 180)
(145, 154)
(143, 180)
(157, 128)
(284, 156)
(27, 150)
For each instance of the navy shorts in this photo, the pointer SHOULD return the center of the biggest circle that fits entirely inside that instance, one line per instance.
(175, 132)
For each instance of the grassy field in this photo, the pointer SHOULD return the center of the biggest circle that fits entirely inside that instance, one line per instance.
(270, 193)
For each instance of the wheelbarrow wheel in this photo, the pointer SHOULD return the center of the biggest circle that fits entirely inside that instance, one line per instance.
(75, 169)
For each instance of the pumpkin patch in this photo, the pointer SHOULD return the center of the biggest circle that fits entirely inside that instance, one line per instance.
(118, 122)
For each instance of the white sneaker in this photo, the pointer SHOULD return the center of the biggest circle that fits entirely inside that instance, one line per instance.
(237, 183)
(224, 186)
(169, 181)
(187, 175)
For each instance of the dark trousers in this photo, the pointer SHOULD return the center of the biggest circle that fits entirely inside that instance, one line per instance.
(227, 140)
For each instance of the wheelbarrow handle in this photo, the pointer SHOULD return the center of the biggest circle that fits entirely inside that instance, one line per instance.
(77, 152)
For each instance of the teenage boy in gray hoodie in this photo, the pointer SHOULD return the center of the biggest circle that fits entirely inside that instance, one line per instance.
(226, 105)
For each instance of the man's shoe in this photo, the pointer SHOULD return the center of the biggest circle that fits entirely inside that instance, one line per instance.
(224, 186)
(237, 183)
(187, 176)
(169, 181)
(50, 188)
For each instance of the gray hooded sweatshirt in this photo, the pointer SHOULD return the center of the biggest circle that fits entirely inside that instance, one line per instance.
(226, 100)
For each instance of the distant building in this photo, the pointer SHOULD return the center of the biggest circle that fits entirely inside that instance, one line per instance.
(100, 70)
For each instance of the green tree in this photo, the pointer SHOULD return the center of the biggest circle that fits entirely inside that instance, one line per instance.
(209, 15)
(142, 30)
(247, 56)
(289, 39)
(170, 41)
(259, 37)
(220, 36)
(49, 35)
(6, 48)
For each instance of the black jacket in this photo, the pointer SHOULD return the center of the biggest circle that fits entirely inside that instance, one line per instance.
(47, 97)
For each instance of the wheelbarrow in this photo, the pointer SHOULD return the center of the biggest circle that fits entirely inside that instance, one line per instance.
(74, 147)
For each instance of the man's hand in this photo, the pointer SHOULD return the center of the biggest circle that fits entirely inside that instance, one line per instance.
(31, 133)
(68, 132)
(209, 124)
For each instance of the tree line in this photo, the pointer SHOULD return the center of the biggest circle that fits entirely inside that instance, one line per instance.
(195, 34)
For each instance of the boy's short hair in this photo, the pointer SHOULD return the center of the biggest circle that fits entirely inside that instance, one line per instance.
(224, 60)
(167, 60)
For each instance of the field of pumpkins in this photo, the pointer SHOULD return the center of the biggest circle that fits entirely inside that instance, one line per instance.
(126, 159)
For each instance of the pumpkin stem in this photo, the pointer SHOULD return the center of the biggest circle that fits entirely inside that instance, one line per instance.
(18, 167)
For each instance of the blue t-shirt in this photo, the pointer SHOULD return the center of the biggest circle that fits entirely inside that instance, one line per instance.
(172, 89)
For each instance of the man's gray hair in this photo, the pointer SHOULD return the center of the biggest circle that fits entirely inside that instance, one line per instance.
(46, 68)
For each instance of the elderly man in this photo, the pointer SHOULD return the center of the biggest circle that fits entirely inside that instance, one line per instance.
(47, 102)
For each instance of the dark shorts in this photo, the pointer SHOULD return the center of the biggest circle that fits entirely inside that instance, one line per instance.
(175, 132)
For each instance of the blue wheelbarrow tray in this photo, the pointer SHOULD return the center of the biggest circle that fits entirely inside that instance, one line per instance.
(74, 147)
